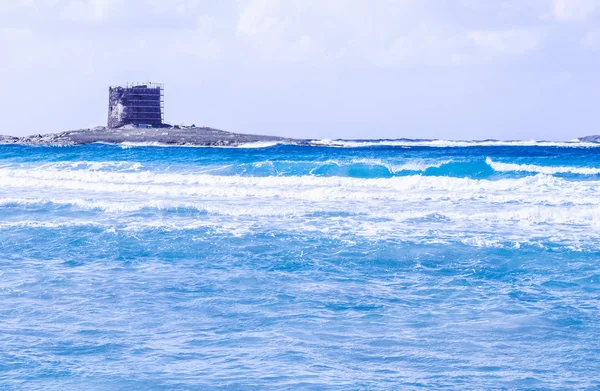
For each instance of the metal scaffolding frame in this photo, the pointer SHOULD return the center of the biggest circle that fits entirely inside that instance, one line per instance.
(148, 85)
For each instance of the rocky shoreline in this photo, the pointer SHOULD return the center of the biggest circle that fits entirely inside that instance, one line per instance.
(164, 136)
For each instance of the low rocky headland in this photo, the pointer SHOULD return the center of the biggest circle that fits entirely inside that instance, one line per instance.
(163, 136)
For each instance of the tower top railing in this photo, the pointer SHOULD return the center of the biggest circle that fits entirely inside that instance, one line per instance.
(143, 84)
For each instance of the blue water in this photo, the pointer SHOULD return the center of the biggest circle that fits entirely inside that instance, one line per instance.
(361, 266)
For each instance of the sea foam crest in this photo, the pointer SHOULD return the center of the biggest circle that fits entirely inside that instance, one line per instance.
(450, 143)
(550, 170)
(90, 166)
(413, 188)
(417, 165)
(250, 145)
(582, 215)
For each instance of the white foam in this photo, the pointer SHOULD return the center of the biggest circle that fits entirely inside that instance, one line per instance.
(48, 224)
(450, 143)
(419, 165)
(88, 165)
(550, 170)
(250, 145)
(539, 188)
(393, 166)
(413, 208)
(258, 144)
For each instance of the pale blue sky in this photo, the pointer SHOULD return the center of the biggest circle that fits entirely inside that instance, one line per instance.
(454, 69)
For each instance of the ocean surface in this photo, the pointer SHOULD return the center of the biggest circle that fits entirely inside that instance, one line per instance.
(365, 265)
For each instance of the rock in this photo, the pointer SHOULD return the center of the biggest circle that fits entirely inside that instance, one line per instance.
(590, 139)
(174, 136)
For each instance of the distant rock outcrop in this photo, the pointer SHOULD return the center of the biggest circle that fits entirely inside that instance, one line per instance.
(8, 139)
(590, 139)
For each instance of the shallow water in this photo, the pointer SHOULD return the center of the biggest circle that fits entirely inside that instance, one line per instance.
(369, 266)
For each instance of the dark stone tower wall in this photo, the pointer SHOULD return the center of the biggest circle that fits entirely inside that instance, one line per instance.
(135, 105)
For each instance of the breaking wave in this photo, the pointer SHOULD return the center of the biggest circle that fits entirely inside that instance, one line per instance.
(550, 170)
(450, 143)
(396, 195)
(403, 208)
(250, 145)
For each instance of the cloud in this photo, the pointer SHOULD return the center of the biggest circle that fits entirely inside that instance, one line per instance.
(506, 42)
(270, 29)
(423, 45)
(592, 40)
(574, 10)
(89, 10)
(13, 34)
(198, 43)
(385, 33)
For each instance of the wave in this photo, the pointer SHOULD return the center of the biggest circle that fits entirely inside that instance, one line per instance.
(499, 228)
(414, 165)
(90, 166)
(354, 168)
(49, 224)
(460, 168)
(260, 144)
(584, 214)
(412, 208)
(550, 170)
(540, 188)
(368, 167)
(449, 143)
(249, 145)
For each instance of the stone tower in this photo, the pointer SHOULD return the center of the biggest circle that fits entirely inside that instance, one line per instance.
(139, 104)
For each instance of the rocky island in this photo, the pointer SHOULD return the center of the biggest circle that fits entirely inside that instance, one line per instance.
(190, 136)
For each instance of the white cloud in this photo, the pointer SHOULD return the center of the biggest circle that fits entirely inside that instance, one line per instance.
(272, 29)
(574, 10)
(384, 33)
(506, 42)
(424, 45)
(197, 43)
(178, 7)
(15, 34)
(37, 3)
(591, 40)
(89, 10)
(262, 21)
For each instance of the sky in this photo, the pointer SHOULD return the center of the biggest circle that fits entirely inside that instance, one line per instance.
(451, 69)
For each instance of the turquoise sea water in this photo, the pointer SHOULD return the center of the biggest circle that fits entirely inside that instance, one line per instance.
(348, 265)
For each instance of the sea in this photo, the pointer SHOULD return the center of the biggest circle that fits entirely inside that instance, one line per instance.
(336, 265)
